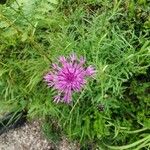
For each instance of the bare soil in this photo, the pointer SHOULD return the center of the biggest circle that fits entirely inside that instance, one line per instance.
(30, 137)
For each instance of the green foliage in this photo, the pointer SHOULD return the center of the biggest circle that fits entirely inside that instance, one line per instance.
(114, 37)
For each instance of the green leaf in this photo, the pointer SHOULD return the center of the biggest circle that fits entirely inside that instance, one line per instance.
(3, 24)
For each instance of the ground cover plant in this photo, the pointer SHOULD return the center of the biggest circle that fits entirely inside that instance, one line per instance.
(112, 110)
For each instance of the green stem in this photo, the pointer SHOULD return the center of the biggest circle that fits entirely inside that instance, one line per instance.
(76, 103)
(147, 138)
(136, 131)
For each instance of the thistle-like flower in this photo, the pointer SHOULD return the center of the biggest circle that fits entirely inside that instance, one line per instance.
(68, 76)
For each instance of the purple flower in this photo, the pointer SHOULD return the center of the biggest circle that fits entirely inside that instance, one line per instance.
(68, 76)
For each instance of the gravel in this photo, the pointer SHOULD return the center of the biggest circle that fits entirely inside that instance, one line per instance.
(30, 137)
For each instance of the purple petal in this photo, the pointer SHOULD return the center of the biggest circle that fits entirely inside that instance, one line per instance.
(73, 57)
(63, 60)
(48, 77)
(57, 98)
(68, 96)
(90, 71)
(82, 60)
(55, 66)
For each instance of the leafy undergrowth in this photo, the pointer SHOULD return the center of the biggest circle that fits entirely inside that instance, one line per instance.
(112, 109)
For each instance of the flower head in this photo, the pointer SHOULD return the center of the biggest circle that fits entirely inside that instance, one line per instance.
(68, 76)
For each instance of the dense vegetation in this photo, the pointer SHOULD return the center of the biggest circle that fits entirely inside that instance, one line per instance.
(114, 36)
